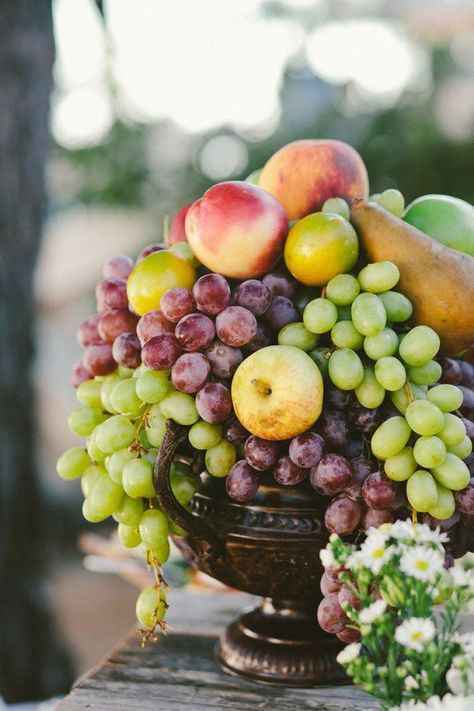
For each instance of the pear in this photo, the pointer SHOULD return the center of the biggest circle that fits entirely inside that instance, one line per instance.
(438, 280)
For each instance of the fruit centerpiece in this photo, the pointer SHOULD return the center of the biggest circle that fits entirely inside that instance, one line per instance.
(253, 385)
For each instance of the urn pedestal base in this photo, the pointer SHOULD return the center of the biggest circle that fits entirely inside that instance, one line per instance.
(280, 643)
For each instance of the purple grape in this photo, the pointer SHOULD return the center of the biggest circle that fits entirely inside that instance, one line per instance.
(98, 359)
(334, 429)
(111, 294)
(364, 419)
(126, 350)
(400, 501)
(115, 322)
(254, 296)
(361, 468)
(87, 333)
(281, 283)
(195, 332)
(467, 407)
(287, 473)
(261, 454)
(152, 324)
(79, 374)
(467, 370)
(242, 481)
(307, 449)
(214, 403)
(236, 433)
(177, 303)
(331, 616)
(190, 372)
(224, 359)
(236, 326)
(261, 339)
(280, 312)
(469, 462)
(348, 635)
(336, 398)
(150, 249)
(328, 584)
(118, 267)
(376, 517)
(343, 515)
(161, 352)
(446, 524)
(353, 448)
(332, 475)
(451, 371)
(465, 498)
(212, 293)
(378, 491)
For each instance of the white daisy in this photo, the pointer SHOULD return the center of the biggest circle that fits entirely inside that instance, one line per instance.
(349, 653)
(466, 641)
(461, 577)
(372, 612)
(447, 703)
(327, 558)
(422, 563)
(415, 632)
(410, 683)
(416, 532)
(374, 552)
(455, 680)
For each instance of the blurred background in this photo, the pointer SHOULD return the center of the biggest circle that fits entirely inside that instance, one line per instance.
(150, 103)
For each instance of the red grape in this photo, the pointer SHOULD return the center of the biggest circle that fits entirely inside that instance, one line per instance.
(364, 419)
(342, 515)
(445, 524)
(224, 359)
(452, 371)
(236, 433)
(214, 403)
(281, 283)
(376, 517)
(150, 249)
(328, 584)
(242, 481)
(254, 296)
(353, 448)
(287, 473)
(361, 468)
(346, 595)
(177, 303)
(161, 352)
(331, 616)
(280, 312)
(118, 267)
(336, 398)
(212, 293)
(98, 359)
(190, 372)
(465, 498)
(126, 350)
(332, 475)
(469, 428)
(261, 454)
(195, 332)
(348, 635)
(115, 322)
(111, 294)
(378, 491)
(307, 449)
(87, 333)
(152, 324)
(333, 428)
(261, 339)
(467, 407)
(79, 373)
(236, 326)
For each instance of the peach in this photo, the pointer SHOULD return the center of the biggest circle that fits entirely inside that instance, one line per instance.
(304, 174)
(237, 229)
(177, 232)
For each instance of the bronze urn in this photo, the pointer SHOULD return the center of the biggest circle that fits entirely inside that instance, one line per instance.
(269, 547)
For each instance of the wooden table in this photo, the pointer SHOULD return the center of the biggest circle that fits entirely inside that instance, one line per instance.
(179, 673)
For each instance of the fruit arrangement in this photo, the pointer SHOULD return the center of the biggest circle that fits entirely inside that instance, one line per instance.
(329, 350)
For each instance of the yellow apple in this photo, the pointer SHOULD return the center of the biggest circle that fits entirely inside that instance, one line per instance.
(277, 392)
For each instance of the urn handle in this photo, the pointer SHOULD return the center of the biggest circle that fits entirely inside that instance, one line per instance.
(195, 526)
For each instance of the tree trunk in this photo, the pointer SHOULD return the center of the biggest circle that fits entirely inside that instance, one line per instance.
(32, 664)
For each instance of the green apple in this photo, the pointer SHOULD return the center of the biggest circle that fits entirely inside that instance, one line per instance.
(277, 392)
(446, 219)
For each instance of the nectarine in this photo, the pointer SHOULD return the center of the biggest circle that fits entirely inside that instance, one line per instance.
(177, 232)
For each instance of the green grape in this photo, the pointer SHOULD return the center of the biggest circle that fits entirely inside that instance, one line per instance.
(203, 435)
(137, 479)
(422, 492)
(303, 296)
(390, 437)
(150, 607)
(390, 373)
(184, 484)
(89, 513)
(176, 530)
(129, 511)
(400, 397)
(221, 458)
(374, 197)
(447, 397)
(452, 473)
(152, 385)
(83, 421)
(463, 449)
(151, 455)
(180, 407)
(72, 463)
(427, 374)
(384, 344)
(345, 335)
(107, 386)
(184, 249)
(419, 345)
(321, 357)
(370, 393)
(128, 536)
(88, 393)
(117, 462)
(124, 372)
(162, 553)
(424, 417)
(345, 369)
(392, 200)
(144, 441)
(337, 206)
(155, 426)
(320, 315)
(93, 449)
(344, 313)
(297, 335)
(401, 466)
(90, 478)
(446, 504)
(368, 314)
(379, 277)
(105, 496)
(153, 528)
(124, 397)
(115, 433)
(429, 451)
(342, 289)
(454, 430)
(397, 306)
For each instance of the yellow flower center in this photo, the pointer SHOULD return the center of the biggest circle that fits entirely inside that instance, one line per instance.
(416, 636)
(378, 553)
(421, 565)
